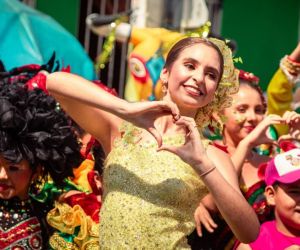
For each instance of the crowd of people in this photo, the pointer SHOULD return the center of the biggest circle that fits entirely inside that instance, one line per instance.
(148, 176)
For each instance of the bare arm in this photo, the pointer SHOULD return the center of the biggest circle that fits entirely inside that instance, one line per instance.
(100, 113)
(295, 55)
(256, 137)
(76, 95)
(280, 90)
(220, 178)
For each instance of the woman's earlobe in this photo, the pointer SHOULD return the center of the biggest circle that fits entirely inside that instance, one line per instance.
(164, 74)
(164, 87)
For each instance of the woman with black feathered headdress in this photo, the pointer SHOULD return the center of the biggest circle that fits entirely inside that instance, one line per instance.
(36, 141)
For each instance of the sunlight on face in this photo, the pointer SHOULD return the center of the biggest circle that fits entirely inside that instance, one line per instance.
(193, 77)
(246, 112)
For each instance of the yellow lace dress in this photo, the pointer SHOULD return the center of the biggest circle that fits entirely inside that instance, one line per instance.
(149, 196)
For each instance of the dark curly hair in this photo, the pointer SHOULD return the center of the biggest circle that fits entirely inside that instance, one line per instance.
(33, 127)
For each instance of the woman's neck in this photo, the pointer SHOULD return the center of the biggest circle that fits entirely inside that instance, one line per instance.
(166, 125)
(230, 143)
(184, 111)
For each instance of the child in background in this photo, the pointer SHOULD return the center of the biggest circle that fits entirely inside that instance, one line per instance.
(282, 177)
(245, 127)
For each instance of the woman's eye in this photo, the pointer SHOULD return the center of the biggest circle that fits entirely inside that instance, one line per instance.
(189, 66)
(212, 76)
(13, 168)
(241, 110)
(260, 111)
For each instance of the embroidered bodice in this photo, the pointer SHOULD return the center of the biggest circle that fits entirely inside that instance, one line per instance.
(149, 196)
(19, 228)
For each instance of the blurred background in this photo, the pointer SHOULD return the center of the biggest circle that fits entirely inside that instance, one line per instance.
(261, 31)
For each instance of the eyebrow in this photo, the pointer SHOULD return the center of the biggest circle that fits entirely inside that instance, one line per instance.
(293, 186)
(190, 59)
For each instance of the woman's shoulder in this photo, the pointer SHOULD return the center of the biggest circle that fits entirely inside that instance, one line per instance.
(216, 149)
(219, 157)
(220, 145)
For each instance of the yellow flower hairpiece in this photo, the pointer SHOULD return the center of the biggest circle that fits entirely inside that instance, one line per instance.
(228, 85)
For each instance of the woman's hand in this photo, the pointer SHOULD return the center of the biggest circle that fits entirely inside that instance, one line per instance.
(144, 114)
(259, 135)
(202, 216)
(192, 151)
(293, 120)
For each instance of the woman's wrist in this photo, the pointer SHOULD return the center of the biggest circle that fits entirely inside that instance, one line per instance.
(204, 167)
(247, 144)
(208, 171)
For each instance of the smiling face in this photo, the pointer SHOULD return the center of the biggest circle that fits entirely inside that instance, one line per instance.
(15, 179)
(246, 111)
(286, 199)
(193, 77)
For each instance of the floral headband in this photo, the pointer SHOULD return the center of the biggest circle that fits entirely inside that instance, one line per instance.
(228, 85)
(247, 76)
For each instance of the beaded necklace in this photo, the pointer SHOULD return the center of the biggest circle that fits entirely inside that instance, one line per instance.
(19, 227)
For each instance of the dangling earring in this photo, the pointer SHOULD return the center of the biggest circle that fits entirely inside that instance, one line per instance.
(164, 86)
(37, 182)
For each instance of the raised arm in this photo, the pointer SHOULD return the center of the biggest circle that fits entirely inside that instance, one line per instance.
(256, 137)
(101, 113)
(87, 104)
(293, 120)
(280, 88)
(221, 180)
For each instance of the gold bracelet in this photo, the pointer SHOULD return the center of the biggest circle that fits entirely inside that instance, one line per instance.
(208, 171)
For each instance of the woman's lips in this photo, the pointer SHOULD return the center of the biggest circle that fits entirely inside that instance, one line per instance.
(192, 90)
(3, 187)
(249, 128)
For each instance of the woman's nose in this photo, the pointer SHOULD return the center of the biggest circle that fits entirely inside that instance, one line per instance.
(252, 116)
(198, 77)
(3, 173)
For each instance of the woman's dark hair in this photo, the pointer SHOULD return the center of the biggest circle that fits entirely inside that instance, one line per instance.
(34, 128)
(257, 88)
(187, 42)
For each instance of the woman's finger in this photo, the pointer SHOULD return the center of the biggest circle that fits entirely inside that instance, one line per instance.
(208, 222)
(156, 135)
(212, 223)
(208, 227)
(170, 148)
(170, 106)
(198, 228)
(188, 123)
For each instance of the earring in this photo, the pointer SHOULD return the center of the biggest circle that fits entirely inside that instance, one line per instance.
(36, 185)
(164, 86)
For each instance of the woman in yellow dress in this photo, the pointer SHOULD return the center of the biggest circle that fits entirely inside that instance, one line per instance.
(150, 194)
